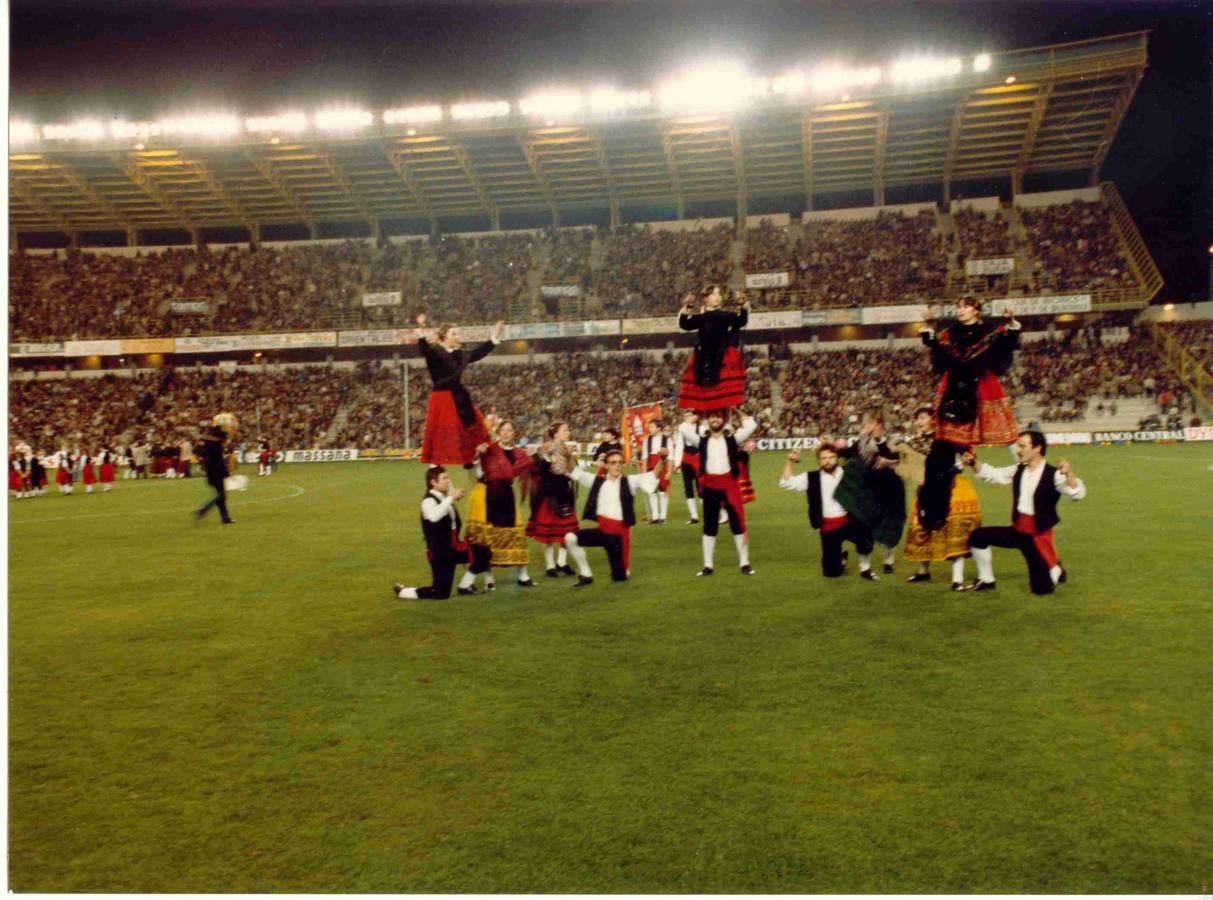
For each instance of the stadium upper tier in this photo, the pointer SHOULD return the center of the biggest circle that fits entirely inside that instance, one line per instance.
(1079, 244)
(793, 135)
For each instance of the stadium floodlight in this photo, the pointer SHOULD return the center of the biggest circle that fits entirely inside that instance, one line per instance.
(412, 115)
(207, 126)
(288, 121)
(828, 79)
(790, 84)
(917, 69)
(342, 118)
(982, 62)
(22, 132)
(717, 87)
(80, 130)
(490, 109)
(609, 100)
(141, 131)
(551, 103)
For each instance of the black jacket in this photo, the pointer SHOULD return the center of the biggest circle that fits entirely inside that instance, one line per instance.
(718, 329)
(446, 370)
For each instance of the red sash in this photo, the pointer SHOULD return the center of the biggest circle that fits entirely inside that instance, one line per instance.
(618, 527)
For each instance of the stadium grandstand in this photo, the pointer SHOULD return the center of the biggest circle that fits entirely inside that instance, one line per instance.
(582, 220)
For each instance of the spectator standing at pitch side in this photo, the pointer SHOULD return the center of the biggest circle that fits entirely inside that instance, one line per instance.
(215, 463)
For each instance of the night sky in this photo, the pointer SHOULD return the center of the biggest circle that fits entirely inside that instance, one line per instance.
(144, 60)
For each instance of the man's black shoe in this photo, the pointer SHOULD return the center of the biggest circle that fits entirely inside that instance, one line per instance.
(468, 592)
(747, 569)
(704, 572)
(1061, 579)
(869, 575)
(526, 582)
(959, 586)
(229, 521)
(888, 568)
(919, 576)
(552, 573)
(566, 570)
(396, 589)
(979, 585)
(692, 521)
(583, 580)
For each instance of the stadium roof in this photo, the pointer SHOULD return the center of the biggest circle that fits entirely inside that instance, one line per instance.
(1042, 110)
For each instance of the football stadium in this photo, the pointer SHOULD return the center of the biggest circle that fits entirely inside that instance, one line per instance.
(786, 472)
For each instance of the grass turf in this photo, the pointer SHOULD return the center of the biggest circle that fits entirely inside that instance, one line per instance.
(197, 708)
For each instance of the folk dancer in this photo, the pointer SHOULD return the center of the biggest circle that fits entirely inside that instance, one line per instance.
(265, 458)
(715, 374)
(440, 524)
(88, 472)
(827, 514)
(611, 507)
(720, 485)
(951, 542)
(686, 461)
(454, 427)
(553, 504)
(885, 485)
(63, 471)
(107, 470)
(1036, 487)
(654, 453)
(972, 410)
(492, 510)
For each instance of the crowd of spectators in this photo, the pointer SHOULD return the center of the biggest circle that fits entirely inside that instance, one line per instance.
(474, 279)
(1196, 337)
(646, 272)
(980, 236)
(569, 259)
(1074, 247)
(767, 248)
(893, 258)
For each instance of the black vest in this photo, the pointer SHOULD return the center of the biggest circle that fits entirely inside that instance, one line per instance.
(816, 516)
(1044, 500)
(730, 444)
(440, 536)
(625, 500)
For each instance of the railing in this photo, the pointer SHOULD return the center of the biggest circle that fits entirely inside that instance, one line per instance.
(1142, 263)
(1189, 368)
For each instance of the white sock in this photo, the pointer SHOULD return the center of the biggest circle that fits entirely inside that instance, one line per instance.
(890, 555)
(692, 508)
(489, 579)
(88, 489)
(654, 514)
(578, 554)
(958, 570)
(407, 594)
(1055, 574)
(549, 555)
(742, 541)
(523, 574)
(663, 506)
(467, 580)
(865, 562)
(984, 558)
(723, 518)
(562, 556)
(709, 550)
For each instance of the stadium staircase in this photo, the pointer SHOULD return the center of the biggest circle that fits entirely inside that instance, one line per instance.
(737, 258)
(1189, 369)
(341, 417)
(1132, 243)
(777, 396)
(525, 307)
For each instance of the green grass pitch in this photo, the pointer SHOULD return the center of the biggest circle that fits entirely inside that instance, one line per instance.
(199, 708)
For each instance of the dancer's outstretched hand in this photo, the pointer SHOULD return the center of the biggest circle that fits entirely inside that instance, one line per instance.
(498, 330)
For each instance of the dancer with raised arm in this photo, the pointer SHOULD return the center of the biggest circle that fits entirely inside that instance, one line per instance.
(715, 374)
(492, 510)
(720, 485)
(454, 427)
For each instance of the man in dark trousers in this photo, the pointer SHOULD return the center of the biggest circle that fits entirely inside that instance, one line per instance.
(610, 507)
(828, 515)
(1036, 487)
(212, 456)
(440, 523)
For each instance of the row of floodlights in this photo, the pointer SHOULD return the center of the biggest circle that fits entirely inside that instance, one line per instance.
(708, 89)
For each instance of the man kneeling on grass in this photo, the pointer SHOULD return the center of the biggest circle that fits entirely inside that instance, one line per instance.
(440, 523)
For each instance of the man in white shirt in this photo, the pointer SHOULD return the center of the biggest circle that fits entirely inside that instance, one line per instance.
(827, 515)
(440, 524)
(1036, 487)
(654, 457)
(610, 505)
(720, 486)
(686, 460)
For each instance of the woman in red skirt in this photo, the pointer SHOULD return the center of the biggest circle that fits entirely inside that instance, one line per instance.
(715, 374)
(454, 427)
(63, 473)
(553, 505)
(107, 469)
(88, 474)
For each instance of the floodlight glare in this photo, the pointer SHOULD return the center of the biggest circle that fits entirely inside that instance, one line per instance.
(413, 115)
(485, 110)
(201, 126)
(141, 130)
(342, 118)
(288, 121)
(21, 132)
(554, 103)
(828, 79)
(793, 83)
(81, 130)
(924, 68)
(981, 62)
(713, 87)
(608, 100)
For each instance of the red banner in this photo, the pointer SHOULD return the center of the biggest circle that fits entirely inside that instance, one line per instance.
(635, 426)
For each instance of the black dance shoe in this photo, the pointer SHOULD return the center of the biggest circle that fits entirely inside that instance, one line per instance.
(978, 585)
(919, 576)
(704, 572)
(747, 569)
(583, 580)
(869, 575)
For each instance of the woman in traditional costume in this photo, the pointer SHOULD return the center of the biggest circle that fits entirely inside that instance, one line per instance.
(715, 374)
(454, 427)
(493, 519)
(553, 503)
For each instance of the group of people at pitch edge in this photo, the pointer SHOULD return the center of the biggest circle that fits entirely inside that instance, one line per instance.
(856, 495)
